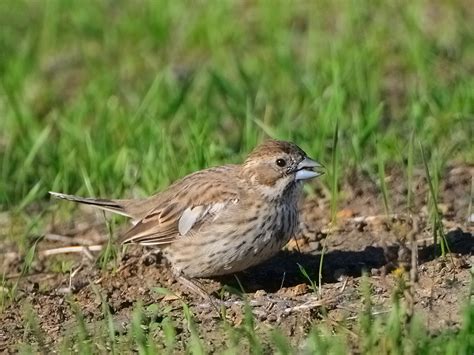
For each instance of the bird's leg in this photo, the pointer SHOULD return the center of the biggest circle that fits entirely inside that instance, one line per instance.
(194, 286)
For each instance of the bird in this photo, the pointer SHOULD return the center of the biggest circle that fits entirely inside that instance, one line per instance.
(224, 219)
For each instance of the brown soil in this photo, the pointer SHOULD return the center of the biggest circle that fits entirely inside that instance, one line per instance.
(364, 239)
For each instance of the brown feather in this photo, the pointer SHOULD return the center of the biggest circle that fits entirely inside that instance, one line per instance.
(162, 221)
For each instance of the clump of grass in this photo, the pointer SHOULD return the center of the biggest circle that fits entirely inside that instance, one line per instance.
(33, 335)
(366, 320)
(169, 334)
(438, 229)
(195, 344)
(313, 285)
(82, 342)
(138, 330)
(26, 267)
(381, 171)
(110, 253)
(281, 343)
(322, 340)
(409, 170)
(108, 323)
(5, 292)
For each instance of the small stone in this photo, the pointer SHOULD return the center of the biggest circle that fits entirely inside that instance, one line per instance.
(471, 218)
(339, 274)
(169, 298)
(300, 289)
(271, 317)
(314, 246)
(261, 316)
(345, 213)
(471, 260)
(444, 208)
(439, 266)
(295, 245)
(33, 287)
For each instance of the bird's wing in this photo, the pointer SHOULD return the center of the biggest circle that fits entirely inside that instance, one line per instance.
(163, 225)
(184, 207)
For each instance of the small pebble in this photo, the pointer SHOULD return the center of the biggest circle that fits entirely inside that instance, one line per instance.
(300, 289)
(439, 266)
(271, 317)
(339, 274)
(374, 272)
(471, 218)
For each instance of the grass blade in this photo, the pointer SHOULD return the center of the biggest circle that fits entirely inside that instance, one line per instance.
(334, 176)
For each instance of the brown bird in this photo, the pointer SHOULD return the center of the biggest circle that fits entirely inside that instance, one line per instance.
(223, 219)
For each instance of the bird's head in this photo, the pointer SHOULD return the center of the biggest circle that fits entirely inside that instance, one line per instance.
(274, 167)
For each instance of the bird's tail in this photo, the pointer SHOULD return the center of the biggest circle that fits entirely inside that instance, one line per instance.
(109, 205)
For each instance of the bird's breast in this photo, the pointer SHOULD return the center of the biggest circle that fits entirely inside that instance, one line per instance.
(248, 237)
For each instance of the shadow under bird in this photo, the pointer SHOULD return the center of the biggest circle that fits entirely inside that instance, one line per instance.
(223, 219)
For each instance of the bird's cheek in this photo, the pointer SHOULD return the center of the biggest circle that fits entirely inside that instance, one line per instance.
(268, 178)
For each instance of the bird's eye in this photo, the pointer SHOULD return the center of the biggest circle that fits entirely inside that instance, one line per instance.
(281, 162)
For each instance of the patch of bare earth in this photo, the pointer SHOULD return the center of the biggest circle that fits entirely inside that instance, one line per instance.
(364, 239)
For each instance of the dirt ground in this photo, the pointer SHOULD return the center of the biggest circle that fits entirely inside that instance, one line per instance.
(363, 239)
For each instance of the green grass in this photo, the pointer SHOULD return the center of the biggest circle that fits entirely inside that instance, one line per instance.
(119, 98)
(438, 229)
(152, 331)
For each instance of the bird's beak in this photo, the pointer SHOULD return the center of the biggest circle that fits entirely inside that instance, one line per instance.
(308, 169)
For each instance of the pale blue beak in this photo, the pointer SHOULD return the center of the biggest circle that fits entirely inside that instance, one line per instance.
(308, 169)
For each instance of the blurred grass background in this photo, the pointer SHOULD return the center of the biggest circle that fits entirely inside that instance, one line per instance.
(119, 98)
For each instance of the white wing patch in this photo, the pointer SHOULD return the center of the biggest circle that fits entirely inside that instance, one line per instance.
(188, 218)
(192, 215)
